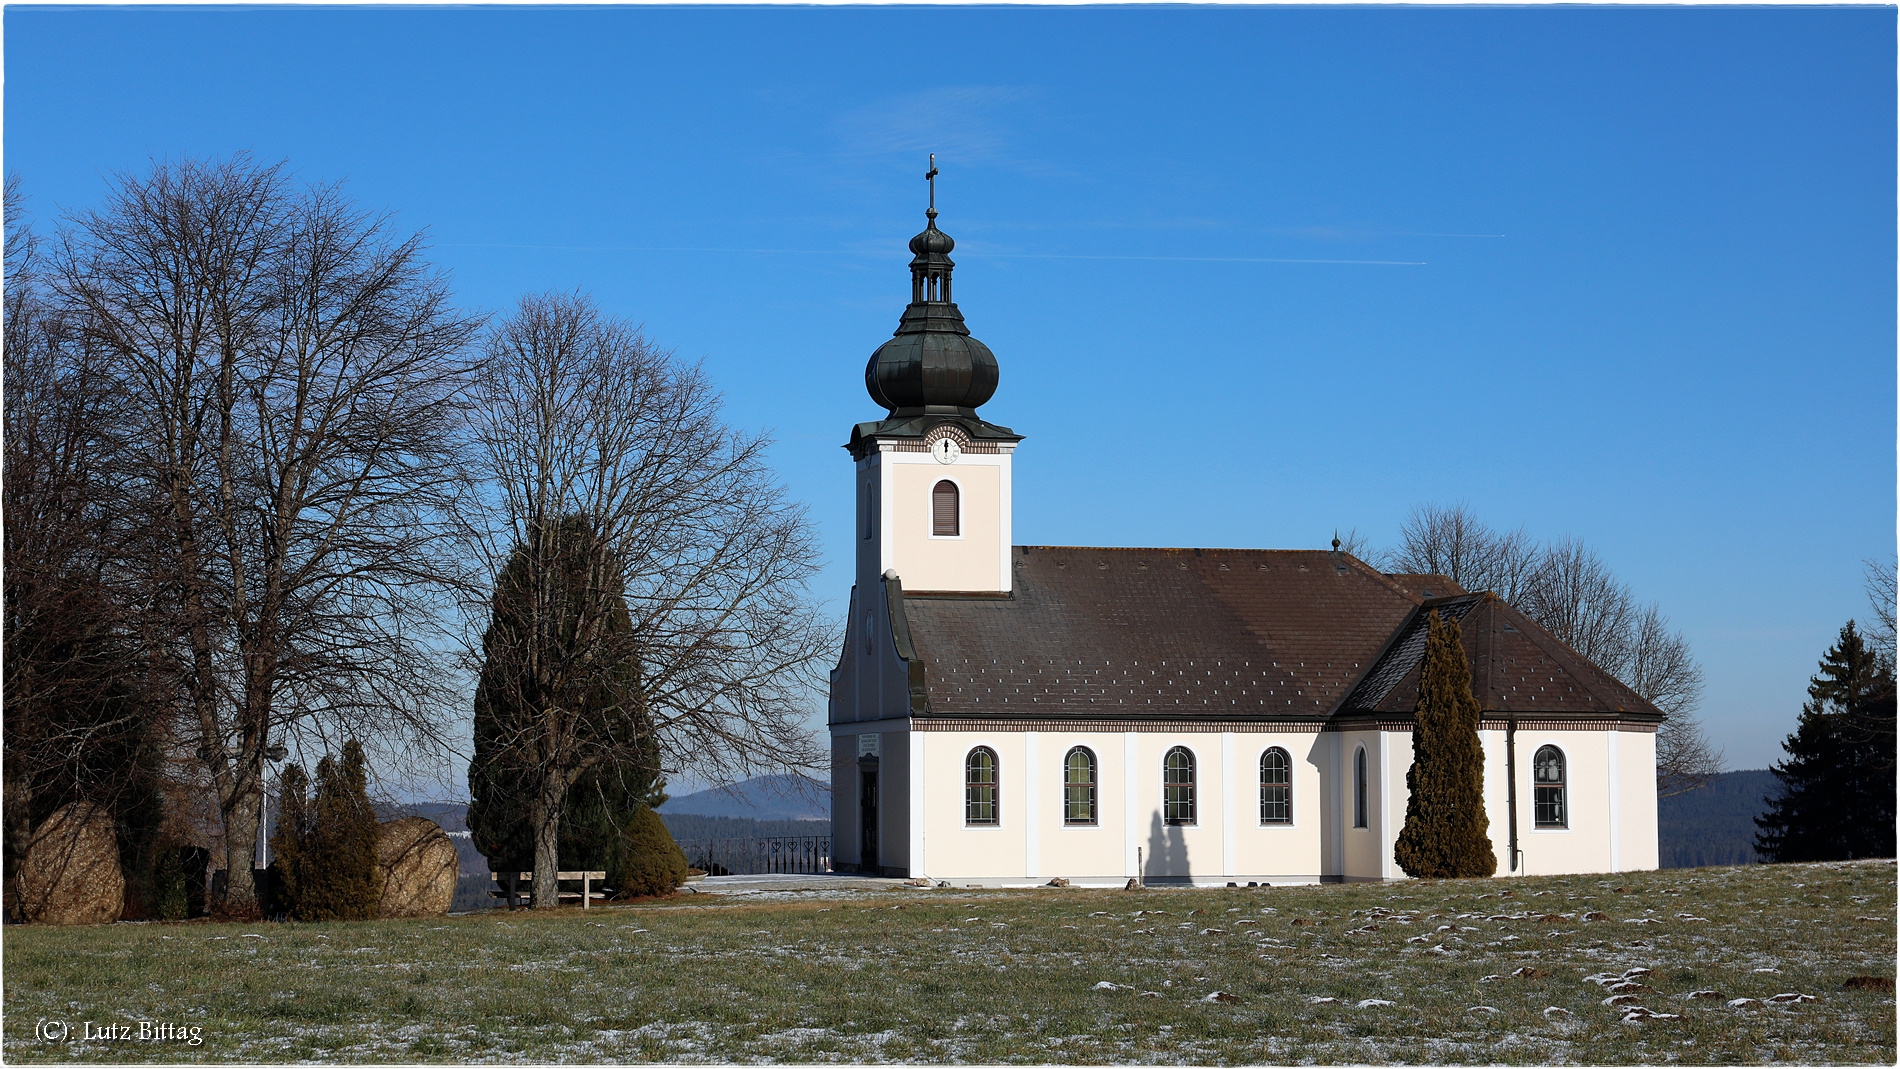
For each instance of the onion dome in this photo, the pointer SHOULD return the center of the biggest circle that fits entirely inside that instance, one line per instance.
(931, 364)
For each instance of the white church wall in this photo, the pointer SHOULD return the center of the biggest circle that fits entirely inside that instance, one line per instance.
(1636, 778)
(1032, 843)
(1365, 850)
(1610, 803)
(1281, 853)
(952, 848)
(1179, 853)
(1090, 853)
(977, 558)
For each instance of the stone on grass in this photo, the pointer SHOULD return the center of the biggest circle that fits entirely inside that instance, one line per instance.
(419, 866)
(71, 871)
(1557, 1011)
(1369, 1003)
(1705, 993)
(1868, 983)
(1792, 996)
(1529, 972)
(1621, 1000)
(1110, 985)
(1220, 996)
(1743, 1003)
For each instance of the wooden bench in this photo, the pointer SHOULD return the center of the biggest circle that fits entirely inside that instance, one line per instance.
(586, 893)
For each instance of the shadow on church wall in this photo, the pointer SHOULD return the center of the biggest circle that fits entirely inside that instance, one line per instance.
(1324, 805)
(1167, 851)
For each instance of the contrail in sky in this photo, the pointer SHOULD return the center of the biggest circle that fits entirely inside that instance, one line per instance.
(984, 255)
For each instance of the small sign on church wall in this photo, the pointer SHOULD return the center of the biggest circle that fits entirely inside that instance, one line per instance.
(869, 745)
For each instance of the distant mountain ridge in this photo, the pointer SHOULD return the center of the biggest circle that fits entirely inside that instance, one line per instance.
(1714, 825)
(785, 797)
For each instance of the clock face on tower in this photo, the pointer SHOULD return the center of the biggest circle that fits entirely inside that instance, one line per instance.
(946, 450)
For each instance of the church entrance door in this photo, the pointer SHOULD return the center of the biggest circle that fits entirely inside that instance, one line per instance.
(867, 818)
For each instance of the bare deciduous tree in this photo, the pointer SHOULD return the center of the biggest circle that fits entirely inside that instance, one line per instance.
(1571, 593)
(1574, 596)
(1453, 542)
(292, 373)
(74, 727)
(1881, 592)
(580, 420)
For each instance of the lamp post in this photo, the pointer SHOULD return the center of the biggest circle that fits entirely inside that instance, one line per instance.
(273, 753)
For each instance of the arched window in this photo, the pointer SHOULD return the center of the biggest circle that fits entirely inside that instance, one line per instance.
(1177, 781)
(1078, 787)
(1547, 775)
(1359, 787)
(979, 786)
(1276, 787)
(945, 517)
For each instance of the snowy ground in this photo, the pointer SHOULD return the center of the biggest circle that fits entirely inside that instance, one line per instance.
(1685, 965)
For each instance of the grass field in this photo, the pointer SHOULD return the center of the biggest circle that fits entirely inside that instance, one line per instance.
(1412, 972)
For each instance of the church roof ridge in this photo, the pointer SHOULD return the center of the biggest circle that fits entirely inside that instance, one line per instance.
(1180, 549)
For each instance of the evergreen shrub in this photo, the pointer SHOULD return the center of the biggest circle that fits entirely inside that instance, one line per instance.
(326, 848)
(651, 863)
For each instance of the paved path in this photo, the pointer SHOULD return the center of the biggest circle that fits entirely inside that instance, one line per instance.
(755, 883)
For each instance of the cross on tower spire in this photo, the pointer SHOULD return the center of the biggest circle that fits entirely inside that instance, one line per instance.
(931, 177)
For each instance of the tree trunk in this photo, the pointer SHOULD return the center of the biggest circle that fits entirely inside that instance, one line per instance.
(240, 846)
(544, 815)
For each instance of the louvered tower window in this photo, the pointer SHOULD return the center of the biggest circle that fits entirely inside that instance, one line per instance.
(945, 518)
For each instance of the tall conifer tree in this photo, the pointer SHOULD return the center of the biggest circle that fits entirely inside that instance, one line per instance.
(1837, 799)
(1445, 833)
(613, 768)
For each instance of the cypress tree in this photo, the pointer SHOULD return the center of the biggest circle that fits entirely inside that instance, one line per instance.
(615, 746)
(1445, 833)
(1837, 784)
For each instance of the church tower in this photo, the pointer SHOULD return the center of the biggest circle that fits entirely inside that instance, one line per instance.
(933, 477)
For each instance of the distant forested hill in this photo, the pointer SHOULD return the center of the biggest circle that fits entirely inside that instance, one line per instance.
(762, 798)
(1715, 825)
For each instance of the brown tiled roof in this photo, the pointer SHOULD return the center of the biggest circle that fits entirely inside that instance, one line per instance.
(1165, 633)
(1427, 585)
(1516, 667)
(1228, 634)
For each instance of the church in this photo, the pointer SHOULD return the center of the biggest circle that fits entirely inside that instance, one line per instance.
(1005, 715)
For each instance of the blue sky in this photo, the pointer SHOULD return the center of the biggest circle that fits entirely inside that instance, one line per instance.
(1251, 273)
